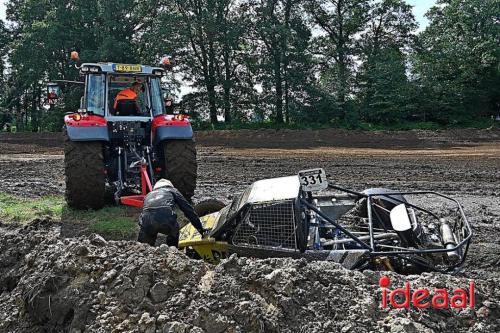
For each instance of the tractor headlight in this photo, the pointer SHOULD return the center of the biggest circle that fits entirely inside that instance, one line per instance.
(91, 69)
(180, 117)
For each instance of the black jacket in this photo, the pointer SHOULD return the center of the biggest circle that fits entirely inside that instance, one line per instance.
(162, 202)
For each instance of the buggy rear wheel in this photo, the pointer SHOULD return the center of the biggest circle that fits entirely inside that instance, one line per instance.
(85, 178)
(180, 165)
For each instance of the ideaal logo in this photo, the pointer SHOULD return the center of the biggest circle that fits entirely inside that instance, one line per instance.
(420, 298)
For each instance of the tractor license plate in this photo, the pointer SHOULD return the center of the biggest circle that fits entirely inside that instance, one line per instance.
(313, 180)
(127, 68)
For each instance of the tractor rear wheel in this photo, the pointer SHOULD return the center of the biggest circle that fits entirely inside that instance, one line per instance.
(180, 165)
(85, 178)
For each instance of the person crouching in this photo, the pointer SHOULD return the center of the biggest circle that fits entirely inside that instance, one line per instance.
(158, 214)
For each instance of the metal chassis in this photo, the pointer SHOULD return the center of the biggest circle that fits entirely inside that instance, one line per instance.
(463, 246)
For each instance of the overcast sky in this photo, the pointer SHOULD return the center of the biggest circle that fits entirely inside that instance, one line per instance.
(2, 9)
(420, 7)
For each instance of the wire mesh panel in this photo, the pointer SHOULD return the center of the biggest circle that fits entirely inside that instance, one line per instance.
(268, 225)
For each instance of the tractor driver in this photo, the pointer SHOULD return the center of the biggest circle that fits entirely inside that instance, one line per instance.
(158, 215)
(129, 93)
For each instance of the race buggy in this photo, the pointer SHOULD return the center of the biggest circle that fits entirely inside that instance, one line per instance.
(308, 217)
(116, 148)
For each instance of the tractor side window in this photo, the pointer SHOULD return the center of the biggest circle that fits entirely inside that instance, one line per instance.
(157, 98)
(95, 94)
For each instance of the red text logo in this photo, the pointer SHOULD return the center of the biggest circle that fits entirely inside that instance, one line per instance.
(423, 298)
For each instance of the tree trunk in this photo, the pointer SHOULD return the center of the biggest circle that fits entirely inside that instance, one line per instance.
(35, 121)
(212, 100)
(24, 109)
(19, 116)
(342, 62)
(39, 107)
(288, 8)
(227, 86)
(278, 82)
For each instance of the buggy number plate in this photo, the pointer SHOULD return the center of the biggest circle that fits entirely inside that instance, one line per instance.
(127, 68)
(313, 180)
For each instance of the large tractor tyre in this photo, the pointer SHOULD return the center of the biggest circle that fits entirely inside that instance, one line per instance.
(85, 178)
(208, 207)
(180, 165)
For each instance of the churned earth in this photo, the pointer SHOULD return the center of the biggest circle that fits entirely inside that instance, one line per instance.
(84, 283)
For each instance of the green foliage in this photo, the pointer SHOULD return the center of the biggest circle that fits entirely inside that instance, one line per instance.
(116, 222)
(457, 63)
(337, 63)
(19, 210)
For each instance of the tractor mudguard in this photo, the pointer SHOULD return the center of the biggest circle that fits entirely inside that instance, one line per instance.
(170, 127)
(86, 128)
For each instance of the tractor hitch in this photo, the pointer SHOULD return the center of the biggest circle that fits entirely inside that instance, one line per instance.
(146, 187)
(144, 164)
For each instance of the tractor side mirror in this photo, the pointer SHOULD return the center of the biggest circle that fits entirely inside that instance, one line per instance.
(53, 92)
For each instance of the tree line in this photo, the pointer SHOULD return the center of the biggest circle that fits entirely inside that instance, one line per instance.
(336, 62)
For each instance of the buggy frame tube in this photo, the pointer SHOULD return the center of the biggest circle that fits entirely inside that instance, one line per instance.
(459, 246)
(401, 254)
(317, 211)
(370, 223)
(389, 195)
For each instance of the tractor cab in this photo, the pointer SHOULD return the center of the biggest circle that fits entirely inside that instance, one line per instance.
(105, 81)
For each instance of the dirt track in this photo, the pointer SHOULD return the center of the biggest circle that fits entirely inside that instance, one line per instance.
(464, 164)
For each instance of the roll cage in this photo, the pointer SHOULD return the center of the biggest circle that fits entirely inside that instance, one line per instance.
(294, 226)
(461, 227)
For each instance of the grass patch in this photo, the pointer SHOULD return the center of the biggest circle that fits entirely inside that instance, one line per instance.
(114, 222)
(21, 210)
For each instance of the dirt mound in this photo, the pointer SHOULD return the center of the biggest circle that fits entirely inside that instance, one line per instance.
(49, 283)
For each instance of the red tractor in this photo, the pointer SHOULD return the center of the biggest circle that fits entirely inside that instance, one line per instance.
(117, 147)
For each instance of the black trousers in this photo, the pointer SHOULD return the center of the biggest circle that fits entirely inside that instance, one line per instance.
(153, 223)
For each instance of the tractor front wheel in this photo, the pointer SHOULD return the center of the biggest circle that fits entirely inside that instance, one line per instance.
(180, 165)
(85, 178)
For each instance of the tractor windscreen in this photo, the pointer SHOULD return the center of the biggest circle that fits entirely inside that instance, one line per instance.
(94, 94)
(128, 96)
(157, 97)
